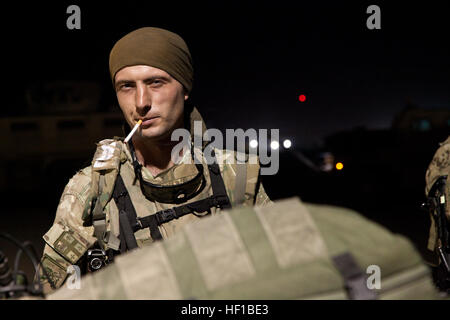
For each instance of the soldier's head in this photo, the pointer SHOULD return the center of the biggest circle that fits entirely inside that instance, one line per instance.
(152, 74)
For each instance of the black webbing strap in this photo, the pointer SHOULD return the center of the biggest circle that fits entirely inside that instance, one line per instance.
(167, 215)
(150, 222)
(217, 183)
(218, 199)
(127, 239)
(130, 223)
(354, 278)
(128, 217)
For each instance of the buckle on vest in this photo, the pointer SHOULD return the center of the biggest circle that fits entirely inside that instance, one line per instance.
(220, 200)
(137, 225)
(166, 215)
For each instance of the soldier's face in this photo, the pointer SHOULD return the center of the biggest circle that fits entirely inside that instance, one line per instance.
(153, 96)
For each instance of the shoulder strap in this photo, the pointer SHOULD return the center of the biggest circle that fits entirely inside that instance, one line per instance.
(130, 223)
(128, 218)
(240, 183)
(127, 215)
(217, 183)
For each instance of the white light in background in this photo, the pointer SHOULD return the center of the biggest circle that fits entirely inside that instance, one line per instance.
(287, 143)
(274, 145)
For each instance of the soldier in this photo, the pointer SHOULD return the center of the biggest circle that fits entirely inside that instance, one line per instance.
(438, 204)
(133, 193)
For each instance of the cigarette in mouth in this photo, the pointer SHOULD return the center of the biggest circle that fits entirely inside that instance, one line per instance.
(132, 131)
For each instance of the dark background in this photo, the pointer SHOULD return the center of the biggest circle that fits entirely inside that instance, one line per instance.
(377, 100)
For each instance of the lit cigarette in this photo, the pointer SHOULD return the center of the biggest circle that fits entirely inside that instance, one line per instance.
(132, 131)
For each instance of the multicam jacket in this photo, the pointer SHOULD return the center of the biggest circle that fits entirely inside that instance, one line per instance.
(68, 239)
(439, 166)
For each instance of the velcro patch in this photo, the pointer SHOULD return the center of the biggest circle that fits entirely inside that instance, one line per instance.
(66, 242)
(56, 271)
(107, 155)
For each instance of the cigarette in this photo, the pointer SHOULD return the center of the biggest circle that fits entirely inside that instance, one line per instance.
(132, 131)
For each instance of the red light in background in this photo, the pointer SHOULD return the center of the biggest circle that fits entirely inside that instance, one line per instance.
(302, 98)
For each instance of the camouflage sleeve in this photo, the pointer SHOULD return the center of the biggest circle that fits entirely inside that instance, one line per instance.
(67, 240)
(439, 166)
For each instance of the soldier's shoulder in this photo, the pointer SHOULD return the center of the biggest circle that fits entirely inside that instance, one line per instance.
(107, 146)
(80, 182)
(441, 159)
(107, 151)
(109, 154)
(439, 165)
(446, 142)
(111, 141)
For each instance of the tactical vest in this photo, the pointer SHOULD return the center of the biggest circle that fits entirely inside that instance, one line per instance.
(107, 184)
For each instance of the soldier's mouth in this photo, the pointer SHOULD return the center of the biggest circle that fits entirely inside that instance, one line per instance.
(148, 121)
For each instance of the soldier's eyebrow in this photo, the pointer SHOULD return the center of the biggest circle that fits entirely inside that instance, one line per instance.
(120, 82)
(149, 79)
(153, 78)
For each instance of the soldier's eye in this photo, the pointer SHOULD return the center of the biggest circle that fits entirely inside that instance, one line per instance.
(157, 83)
(125, 86)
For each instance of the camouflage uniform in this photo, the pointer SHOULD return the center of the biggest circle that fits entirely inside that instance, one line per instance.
(439, 166)
(68, 239)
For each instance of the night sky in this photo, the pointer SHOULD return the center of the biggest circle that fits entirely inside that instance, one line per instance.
(251, 61)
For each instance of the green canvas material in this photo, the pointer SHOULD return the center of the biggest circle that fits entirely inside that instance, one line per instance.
(282, 251)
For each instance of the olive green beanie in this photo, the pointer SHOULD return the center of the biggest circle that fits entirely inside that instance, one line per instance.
(157, 48)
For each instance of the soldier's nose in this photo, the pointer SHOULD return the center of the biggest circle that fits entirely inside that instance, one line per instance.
(143, 97)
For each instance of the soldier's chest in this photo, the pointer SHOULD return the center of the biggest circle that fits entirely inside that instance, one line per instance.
(144, 207)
